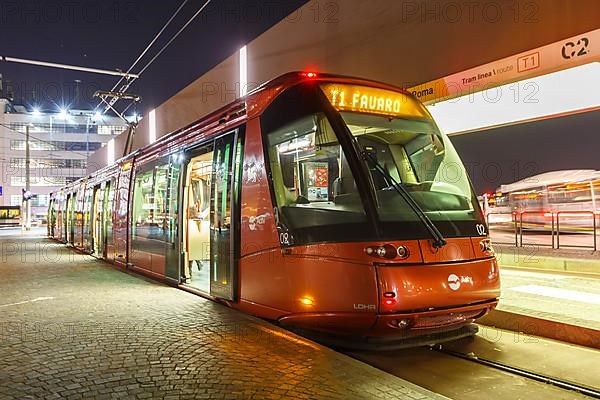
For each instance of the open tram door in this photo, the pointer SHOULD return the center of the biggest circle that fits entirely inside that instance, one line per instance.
(210, 213)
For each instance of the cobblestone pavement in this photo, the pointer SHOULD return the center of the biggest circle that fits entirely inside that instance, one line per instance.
(565, 298)
(73, 327)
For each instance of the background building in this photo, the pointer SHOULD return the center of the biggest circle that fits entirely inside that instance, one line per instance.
(60, 143)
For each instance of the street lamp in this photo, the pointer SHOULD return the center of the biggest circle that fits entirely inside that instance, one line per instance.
(27, 191)
(63, 113)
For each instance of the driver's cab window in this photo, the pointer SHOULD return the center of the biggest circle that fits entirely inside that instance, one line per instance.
(426, 152)
(307, 164)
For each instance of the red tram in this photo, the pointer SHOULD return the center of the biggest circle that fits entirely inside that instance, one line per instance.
(329, 204)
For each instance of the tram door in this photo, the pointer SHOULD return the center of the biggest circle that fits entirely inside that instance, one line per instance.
(71, 202)
(109, 199)
(59, 204)
(67, 224)
(64, 218)
(210, 225)
(98, 224)
(196, 243)
(52, 218)
(121, 222)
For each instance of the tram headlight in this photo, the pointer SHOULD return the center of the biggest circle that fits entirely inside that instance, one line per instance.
(380, 251)
(386, 251)
(403, 252)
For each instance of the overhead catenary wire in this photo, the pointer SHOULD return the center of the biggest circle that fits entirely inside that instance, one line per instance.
(173, 38)
(158, 35)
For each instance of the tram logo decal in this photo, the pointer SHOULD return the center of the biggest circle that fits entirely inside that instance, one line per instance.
(255, 221)
(454, 281)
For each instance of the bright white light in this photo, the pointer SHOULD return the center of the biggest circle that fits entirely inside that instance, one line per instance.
(110, 152)
(63, 113)
(557, 93)
(243, 71)
(97, 116)
(36, 111)
(152, 126)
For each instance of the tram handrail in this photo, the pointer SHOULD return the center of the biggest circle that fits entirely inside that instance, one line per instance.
(593, 214)
(518, 219)
(535, 212)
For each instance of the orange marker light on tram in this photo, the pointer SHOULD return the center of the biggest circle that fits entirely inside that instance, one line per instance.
(307, 301)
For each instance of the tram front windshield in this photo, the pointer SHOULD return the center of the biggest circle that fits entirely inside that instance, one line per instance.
(414, 154)
(315, 189)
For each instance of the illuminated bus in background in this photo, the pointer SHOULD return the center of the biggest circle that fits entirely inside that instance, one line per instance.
(573, 194)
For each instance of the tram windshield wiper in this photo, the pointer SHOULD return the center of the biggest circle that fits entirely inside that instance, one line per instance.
(438, 238)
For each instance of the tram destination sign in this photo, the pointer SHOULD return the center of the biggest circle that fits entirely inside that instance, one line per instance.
(366, 99)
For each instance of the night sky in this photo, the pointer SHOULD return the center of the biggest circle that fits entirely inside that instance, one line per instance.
(110, 34)
(511, 153)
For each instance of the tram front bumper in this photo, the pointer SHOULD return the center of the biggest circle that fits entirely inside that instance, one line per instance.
(404, 325)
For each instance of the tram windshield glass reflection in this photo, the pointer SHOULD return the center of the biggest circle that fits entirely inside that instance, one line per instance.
(417, 156)
(313, 183)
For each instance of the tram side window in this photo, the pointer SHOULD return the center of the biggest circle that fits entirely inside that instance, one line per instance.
(312, 180)
(150, 203)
